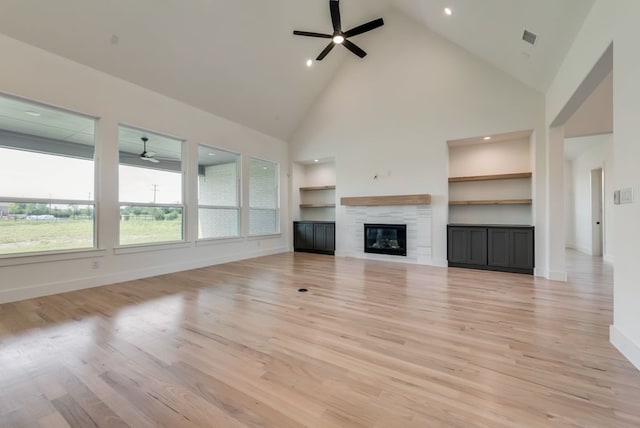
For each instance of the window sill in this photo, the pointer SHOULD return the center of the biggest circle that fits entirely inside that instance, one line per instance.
(49, 256)
(265, 236)
(144, 248)
(215, 241)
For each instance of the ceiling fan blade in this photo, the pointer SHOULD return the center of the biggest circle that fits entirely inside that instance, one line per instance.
(153, 160)
(150, 154)
(334, 6)
(311, 34)
(325, 51)
(364, 27)
(355, 49)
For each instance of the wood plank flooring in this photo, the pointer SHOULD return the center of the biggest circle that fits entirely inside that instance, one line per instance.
(371, 344)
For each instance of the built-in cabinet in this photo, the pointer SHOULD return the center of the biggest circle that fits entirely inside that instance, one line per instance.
(314, 236)
(491, 247)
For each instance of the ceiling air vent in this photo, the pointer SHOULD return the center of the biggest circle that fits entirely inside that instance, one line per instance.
(529, 37)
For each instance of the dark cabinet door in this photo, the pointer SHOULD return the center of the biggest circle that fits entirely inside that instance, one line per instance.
(499, 248)
(457, 242)
(467, 245)
(303, 236)
(521, 248)
(324, 237)
(477, 251)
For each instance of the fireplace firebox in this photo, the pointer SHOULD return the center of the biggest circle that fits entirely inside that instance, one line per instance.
(385, 239)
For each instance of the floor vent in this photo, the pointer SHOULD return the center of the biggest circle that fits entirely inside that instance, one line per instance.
(529, 37)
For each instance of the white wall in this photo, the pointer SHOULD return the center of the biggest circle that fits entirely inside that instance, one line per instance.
(39, 75)
(392, 113)
(614, 21)
(502, 157)
(569, 207)
(579, 223)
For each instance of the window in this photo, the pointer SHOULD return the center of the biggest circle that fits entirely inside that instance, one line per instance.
(150, 188)
(218, 206)
(263, 197)
(47, 196)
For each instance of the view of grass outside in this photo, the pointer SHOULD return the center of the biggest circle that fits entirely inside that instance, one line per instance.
(144, 231)
(143, 225)
(40, 227)
(21, 235)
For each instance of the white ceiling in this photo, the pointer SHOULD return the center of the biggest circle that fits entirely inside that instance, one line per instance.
(492, 30)
(238, 59)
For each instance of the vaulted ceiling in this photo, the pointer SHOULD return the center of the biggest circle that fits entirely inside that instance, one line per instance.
(239, 60)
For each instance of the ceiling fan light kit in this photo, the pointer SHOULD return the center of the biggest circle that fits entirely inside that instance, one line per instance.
(340, 37)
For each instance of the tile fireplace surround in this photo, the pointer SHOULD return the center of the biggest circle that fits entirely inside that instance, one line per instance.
(416, 217)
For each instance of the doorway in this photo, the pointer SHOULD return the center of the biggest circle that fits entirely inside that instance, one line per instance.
(597, 217)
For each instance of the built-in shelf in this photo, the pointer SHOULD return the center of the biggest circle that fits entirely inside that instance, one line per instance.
(306, 189)
(490, 177)
(317, 205)
(494, 202)
(372, 201)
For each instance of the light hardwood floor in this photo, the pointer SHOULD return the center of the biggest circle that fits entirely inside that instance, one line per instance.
(370, 345)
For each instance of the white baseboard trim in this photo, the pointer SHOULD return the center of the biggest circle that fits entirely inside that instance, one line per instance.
(558, 275)
(626, 346)
(39, 290)
(439, 262)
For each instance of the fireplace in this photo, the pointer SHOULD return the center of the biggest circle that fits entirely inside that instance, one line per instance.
(385, 239)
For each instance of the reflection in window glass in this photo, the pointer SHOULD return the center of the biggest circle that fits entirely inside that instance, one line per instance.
(263, 197)
(219, 209)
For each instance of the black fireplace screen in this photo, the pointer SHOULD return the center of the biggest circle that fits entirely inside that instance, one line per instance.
(385, 239)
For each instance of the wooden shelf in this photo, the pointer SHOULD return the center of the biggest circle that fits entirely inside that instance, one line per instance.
(375, 201)
(494, 202)
(306, 189)
(317, 205)
(490, 177)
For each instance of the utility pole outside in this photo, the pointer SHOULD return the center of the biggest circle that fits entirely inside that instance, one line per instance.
(155, 191)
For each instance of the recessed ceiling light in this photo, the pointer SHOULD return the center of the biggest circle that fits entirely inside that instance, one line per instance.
(316, 160)
(264, 167)
(212, 154)
(309, 63)
(338, 39)
(448, 11)
(33, 113)
(487, 138)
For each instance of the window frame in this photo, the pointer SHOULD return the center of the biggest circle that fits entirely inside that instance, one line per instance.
(183, 193)
(63, 253)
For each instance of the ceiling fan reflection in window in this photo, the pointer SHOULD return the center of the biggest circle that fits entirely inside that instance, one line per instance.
(145, 155)
(339, 37)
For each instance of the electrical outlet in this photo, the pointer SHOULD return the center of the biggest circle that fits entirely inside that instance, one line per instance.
(95, 264)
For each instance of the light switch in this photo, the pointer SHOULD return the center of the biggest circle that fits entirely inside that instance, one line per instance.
(626, 196)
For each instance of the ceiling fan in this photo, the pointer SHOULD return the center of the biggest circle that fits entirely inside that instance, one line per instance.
(145, 155)
(339, 37)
